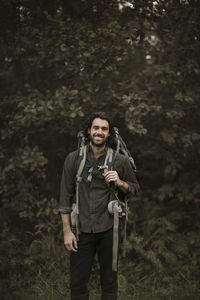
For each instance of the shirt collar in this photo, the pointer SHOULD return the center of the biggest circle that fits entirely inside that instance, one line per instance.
(90, 151)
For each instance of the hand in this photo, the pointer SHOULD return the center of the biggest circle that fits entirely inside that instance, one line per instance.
(112, 176)
(70, 241)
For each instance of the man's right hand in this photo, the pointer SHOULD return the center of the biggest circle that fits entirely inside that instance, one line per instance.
(70, 241)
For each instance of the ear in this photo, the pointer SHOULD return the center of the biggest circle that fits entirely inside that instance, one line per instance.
(89, 131)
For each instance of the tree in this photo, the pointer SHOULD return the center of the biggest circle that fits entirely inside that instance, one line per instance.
(137, 60)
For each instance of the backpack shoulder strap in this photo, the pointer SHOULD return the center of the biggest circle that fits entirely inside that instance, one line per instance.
(81, 154)
(109, 160)
(81, 158)
(81, 162)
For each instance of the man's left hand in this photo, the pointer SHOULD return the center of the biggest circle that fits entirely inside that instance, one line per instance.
(112, 176)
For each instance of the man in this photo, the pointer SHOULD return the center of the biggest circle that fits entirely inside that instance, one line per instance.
(96, 223)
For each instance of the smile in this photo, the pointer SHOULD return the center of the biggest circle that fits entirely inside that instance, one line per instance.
(98, 136)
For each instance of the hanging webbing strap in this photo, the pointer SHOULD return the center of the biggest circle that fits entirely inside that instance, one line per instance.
(121, 146)
(109, 162)
(114, 209)
(125, 229)
(119, 210)
(115, 237)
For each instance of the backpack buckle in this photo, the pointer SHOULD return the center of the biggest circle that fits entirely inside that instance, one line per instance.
(102, 167)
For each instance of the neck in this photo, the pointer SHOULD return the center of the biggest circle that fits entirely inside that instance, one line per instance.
(97, 150)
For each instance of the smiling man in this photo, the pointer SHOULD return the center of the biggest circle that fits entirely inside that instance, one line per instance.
(99, 133)
(94, 219)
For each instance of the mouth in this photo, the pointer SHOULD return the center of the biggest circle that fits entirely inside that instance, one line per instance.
(98, 138)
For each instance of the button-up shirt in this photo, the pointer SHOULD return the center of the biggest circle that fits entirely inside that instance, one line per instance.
(94, 192)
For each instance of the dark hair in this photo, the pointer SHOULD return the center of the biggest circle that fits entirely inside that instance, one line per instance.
(101, 115)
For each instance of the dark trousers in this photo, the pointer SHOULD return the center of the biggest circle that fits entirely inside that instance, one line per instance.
(81, 265)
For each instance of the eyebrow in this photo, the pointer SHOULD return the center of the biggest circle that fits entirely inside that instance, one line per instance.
(102, 127)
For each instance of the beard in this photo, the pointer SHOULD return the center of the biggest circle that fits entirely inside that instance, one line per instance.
(98, 143)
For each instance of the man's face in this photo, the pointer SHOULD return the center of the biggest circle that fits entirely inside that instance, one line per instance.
(99, 132)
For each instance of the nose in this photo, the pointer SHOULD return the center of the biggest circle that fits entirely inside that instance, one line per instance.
(99, 131)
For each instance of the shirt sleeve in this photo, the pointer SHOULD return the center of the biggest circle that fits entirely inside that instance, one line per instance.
(128, 175)
(68, 183)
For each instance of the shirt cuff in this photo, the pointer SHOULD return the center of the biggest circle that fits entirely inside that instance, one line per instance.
(65, 209)
(133, 189)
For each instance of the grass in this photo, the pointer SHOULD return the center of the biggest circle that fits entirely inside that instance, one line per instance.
(54, 286)
(42, 273)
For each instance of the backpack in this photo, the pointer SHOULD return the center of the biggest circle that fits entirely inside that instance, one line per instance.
(118, 208)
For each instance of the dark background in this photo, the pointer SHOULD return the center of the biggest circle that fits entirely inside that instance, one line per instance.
(138, 61)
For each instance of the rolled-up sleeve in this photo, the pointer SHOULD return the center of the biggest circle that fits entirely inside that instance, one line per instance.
(128, 175)
(67, 187)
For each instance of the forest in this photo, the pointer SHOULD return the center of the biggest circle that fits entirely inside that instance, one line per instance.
(139, 61)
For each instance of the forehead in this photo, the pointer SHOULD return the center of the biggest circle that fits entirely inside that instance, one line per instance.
(100, 123)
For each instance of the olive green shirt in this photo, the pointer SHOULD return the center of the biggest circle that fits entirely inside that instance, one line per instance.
(94, 192)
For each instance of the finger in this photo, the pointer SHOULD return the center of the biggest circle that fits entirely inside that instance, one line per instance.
(109, 173)
(111, 177)
(72, 248)
(75, 244)
(108, 176)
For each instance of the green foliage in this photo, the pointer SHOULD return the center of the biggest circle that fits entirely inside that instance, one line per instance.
(138, 60)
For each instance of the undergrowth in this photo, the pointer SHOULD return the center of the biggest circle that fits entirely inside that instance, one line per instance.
(41, 271)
